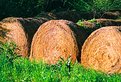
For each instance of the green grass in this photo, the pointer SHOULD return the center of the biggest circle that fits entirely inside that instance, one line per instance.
(18, 69)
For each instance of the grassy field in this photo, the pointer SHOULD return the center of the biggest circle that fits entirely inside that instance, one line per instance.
(18, 69)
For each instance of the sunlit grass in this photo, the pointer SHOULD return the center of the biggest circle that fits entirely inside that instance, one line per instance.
(23, 70)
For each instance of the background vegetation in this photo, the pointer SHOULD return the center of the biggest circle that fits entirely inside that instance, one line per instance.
(24, 8)
(29, 8)
(96, 7)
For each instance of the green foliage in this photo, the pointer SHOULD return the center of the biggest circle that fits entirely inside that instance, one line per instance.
(81, 23)
(116, 5)
(95, 6)
(92, 20)
(22, 8)
(7, 50)
(101, 5)
(23, 70)
(80, 5)
(30, 8)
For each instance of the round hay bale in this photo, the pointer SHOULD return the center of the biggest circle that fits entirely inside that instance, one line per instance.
(111, 14)
(12, 32)
(53, 41)
(49, 15)
(108, 22)
(102, 50)
(20, 31)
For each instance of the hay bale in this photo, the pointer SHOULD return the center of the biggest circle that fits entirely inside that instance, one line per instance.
(54, 40)
(12, 32)
(20, 31)
(112, 14)
(102, 50)
(108, 22)
(48, 15)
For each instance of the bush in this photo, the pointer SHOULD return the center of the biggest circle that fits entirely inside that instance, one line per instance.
(7, 52)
